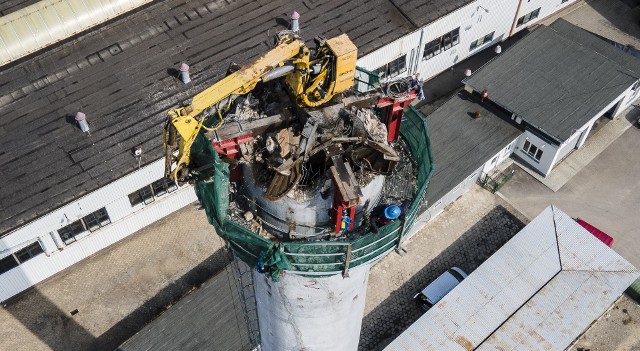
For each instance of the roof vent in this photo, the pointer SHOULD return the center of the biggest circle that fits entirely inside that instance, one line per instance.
(184, 73)
(81, 118)
(295, 25)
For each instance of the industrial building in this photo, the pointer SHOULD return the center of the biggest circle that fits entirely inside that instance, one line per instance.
(540, 291)
(73, 194)
(557, 83)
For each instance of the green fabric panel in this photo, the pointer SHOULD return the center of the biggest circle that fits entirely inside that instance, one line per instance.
(415, 132)
(212, 189)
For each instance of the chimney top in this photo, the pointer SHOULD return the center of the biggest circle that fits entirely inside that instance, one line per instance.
(80, 116)
(295, 15)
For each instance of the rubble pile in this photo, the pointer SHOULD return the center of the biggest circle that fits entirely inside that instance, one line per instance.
(296, 154)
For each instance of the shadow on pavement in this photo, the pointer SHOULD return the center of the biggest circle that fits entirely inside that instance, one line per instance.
(58, 329)
(622, 14)
(400, 310)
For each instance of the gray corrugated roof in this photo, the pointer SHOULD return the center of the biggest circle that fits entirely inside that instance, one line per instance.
(460, 143)
(117, 75)
(540, 291)
(557, 78)
(424, 12)
(9, 6)
(209, 318)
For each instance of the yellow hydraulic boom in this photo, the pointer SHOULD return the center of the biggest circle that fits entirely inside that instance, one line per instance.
(312, 81)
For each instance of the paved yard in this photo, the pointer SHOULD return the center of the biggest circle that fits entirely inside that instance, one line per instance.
(464, 235)
(117, 291)
(606, 193)
(617, 330)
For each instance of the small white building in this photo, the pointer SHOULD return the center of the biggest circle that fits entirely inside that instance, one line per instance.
(557, 82)
(540, 291)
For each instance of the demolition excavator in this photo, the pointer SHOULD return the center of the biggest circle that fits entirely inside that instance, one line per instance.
(311, 77)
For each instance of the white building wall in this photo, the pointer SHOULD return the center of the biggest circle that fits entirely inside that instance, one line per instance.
(549, 151)
(403, 46)
(547, 8)
(628, 97)
(475, 20)
(125, 220)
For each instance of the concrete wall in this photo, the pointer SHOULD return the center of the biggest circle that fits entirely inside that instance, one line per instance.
(125, 220)
(299, 313)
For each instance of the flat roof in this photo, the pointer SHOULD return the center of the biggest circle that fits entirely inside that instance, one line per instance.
(460, 143)
(540, 291)
(557, 78)
(118, 74)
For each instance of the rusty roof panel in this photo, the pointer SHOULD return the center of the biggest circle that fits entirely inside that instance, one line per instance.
(523, 297)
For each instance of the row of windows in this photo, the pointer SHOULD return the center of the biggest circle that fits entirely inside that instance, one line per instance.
(100, 218)
(532, 150)
(148, 193)
(528, 17)
(483, 40)
(443, 43)
(392, 68)
(90, 222)
(20, 256)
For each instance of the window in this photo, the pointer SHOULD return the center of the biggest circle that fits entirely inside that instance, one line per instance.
(432, 49)
(163, 186)
(393, 68)
(532, 150)
(487, 38)
(7, 263)
(528, 17)
(451, 39)
(97, 220)
(29, 252)
(142, 195)
(68, 234)
(91, 222)
(445, 42)
(149, 193)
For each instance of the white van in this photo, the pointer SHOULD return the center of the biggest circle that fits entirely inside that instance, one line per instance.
(438, 288)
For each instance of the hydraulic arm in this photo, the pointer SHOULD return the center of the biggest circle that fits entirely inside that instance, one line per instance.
(311, 80)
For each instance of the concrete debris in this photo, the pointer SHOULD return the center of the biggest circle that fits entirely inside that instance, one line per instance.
(292, 152)
(375, 129)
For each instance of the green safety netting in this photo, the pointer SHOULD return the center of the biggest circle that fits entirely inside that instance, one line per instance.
(415, 132)
(319, 258)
